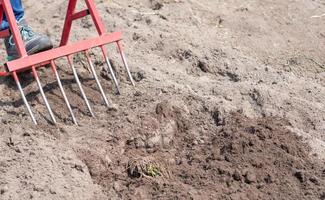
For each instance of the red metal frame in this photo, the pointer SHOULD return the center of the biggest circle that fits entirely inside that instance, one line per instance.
(65, 49)
(26, 62)
(72, 15)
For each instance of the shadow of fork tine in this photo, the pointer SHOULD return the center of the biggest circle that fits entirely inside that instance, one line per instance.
(76, 77)
(110, 69)
(125, 62)
(14, 74)
(43, 95)
(55, 71)
(92, 68)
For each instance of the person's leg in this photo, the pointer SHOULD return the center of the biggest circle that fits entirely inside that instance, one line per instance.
(18, 11)
(34, 42)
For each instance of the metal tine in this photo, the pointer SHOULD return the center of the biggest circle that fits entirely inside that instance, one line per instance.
(24, 97)
(75, 74)
(92, 68)
(125, 62)
(111, 71)
(43, 94)
(54, 68)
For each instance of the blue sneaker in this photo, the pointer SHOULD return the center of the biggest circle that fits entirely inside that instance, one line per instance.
(34, 42)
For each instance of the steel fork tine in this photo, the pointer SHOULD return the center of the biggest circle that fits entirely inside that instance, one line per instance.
(110, 68)
(125, 62)
(54, 68)
(43, 94)
(75, 74)
(24, 98)
(92, 68)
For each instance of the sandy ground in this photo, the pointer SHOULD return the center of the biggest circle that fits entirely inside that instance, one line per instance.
(229, 104)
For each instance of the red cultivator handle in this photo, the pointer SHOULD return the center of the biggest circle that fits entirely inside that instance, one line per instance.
(31, 62)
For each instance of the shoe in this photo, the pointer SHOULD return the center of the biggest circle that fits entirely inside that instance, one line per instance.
(34, 42)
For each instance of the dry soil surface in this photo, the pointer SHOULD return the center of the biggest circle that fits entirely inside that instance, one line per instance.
(229, 104)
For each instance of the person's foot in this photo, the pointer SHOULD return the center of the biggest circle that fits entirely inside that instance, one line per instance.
(34, 42)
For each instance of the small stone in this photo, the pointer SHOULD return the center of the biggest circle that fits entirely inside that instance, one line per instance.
(52, 191)
(314, 180)
(268, 179)
(164, 91)
(139, 143)
(38, 189)
(108, 161)
(218, 118)
(136, 36)
(10, 142)
(236, 175)
(203, 66)
(250, 177)
(25, 134)
(228, 158)
(151, 150)
(137, 94)
(222, 171)
(300, 176)
(178, 161)
(118, 187)
(139, 76)
(153, 141)
(227, 180)
(128, 119)
(148, 21)
(17, 149)
(156, 5)
(3, 190)
(78, 167)
(113, 108)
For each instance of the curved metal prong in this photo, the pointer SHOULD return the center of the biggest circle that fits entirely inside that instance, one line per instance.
(24, 97)
(75, 74)
(125, 62)
(63, 92)
(110, 69)
(92, 68)
(43, 95)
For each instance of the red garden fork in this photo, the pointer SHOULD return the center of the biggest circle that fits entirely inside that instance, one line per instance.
(32, 62)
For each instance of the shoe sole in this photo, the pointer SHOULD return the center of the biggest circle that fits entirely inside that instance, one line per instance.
(36, 49)
(39, 48)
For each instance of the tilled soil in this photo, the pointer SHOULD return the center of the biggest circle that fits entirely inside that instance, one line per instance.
(240, 159)
(228, 104)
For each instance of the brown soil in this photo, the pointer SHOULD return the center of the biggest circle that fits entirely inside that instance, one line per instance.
(229, 104)
(241, 159)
